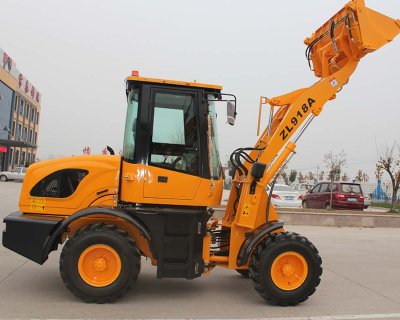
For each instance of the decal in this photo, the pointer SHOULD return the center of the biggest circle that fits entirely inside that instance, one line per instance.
(246, 210)
(38, 205)
(294, 121)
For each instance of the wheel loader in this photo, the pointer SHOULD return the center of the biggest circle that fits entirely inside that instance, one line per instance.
(156, 199)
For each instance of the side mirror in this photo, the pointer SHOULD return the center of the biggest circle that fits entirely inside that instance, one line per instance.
(231, 112)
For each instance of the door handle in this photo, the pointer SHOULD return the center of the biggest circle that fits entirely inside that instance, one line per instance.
(162, 179)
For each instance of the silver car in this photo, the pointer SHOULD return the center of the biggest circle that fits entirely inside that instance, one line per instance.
(18, 173)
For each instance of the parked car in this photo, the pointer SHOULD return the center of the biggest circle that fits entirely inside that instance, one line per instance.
(345, 195)
(18, 173)
(302, 188)
(284, 196)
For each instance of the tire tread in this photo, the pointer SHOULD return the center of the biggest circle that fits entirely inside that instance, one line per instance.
(89, 229)
(266, 245)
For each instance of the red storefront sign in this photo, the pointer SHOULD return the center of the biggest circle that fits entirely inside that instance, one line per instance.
(3, 149)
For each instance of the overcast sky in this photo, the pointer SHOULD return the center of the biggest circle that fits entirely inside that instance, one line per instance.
(78, 53)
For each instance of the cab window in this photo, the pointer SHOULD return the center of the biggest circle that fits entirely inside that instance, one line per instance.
(174, 142)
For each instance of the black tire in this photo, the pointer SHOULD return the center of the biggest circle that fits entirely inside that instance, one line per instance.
(305, 206)
(3, 178)
(243, 272)
(110, 236)
(264, 256)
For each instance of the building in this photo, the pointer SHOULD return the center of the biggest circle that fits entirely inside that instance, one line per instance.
(19, 116)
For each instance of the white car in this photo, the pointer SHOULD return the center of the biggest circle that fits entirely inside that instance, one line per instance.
(18, 173)
(284, 196)
(302, 188)
(367, 201)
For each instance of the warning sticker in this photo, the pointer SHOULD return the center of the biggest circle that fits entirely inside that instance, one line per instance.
(38, 205)
(246, 209)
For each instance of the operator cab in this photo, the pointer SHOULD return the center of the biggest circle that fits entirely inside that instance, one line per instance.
(170, 148)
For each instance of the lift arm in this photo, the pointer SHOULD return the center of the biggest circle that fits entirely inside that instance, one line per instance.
(333, 52)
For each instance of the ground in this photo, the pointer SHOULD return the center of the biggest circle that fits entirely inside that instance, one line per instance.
(361, 277)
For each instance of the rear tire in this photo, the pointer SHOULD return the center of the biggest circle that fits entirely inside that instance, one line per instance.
(3, 178)
(285, 269)
(305, 206)
(243, 272)
(100, 263)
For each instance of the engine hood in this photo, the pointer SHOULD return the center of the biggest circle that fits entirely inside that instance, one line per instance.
(65, 185)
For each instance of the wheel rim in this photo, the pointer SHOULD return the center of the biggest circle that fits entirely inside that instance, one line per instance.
(99, 265)
(3, 178)
(289, 270)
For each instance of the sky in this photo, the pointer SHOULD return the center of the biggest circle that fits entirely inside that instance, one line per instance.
(78, 53)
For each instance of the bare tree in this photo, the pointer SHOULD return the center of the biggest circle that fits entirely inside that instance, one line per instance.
(292, 176)
(378, 173)
(345, 177)
(300, 177)
(361, 176)
(334, 163)
(285, 177)
(321, 175)
(389, 161)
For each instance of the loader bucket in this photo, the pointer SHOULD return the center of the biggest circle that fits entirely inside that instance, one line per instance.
(350, 34)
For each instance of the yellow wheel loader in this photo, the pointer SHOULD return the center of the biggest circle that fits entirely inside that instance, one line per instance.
(156, 199)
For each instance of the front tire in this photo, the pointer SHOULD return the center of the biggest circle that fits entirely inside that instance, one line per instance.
(285, 269)
(3, 178)
(100, 263)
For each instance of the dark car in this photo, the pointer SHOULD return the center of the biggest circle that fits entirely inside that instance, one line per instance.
(344, 195)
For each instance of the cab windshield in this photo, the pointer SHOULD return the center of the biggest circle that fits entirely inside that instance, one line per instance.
(130, 125)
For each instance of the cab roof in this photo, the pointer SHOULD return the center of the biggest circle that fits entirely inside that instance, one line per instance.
(175, 82)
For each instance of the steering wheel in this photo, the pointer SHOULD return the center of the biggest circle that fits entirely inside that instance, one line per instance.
(175, 162)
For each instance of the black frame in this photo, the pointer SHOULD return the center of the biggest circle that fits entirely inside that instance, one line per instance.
(144, 126)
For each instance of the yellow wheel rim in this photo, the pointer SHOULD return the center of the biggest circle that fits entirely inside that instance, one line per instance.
(289, 270)
(99, 265)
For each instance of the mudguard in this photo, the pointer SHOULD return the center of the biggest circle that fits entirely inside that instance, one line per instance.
(253, 238)
(35, 236)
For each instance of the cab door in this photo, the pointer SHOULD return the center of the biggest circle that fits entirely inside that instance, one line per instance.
(174, 166)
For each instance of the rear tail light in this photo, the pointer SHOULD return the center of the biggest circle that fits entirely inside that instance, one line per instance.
(300, 197)
(339, 196)
(275, 196)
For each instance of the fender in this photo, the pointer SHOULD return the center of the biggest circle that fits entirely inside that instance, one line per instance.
(253, 238)
(52, 243)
